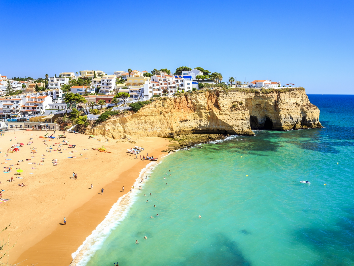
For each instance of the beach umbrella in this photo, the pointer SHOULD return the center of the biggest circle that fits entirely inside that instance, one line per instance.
(19, 171)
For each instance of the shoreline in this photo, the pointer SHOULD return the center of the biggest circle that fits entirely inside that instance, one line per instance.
(116, 215)
(52, 243)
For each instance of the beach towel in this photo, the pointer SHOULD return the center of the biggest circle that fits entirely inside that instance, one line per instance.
(3, 200)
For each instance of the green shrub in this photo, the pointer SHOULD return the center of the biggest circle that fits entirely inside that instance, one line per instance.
(136, 106)
(107, 114)
(82, 121)
(94, 111)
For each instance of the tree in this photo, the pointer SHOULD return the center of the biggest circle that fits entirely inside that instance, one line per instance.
(148, 75)
(114, 101)
(73, 98)
(95, 111)
(199, 77)
(46, 81)
(23, 86)
(182, 68)
(66, 87)
(9, 89)
(231, 80)
(129, 71)
(205, 72)
(122, 95)
(82, 121)
(74, 114)
(155, 72)
(219, 76)
(94, 74)
(101, 103)
(91, 104)
(167, 71)
(120, 81)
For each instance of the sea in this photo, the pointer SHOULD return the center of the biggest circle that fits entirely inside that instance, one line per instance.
(241, 202)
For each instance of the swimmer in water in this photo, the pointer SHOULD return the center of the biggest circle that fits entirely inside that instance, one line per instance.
(136, 242)
(200, 216)
(145, 237)
(154, 205)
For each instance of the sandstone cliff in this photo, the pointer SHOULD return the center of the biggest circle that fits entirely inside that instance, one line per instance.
(216, 111)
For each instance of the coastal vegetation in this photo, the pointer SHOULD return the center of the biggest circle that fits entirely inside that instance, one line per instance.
(138, 105)
(106, 115)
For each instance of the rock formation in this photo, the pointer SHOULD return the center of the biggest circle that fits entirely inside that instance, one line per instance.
(220, 111)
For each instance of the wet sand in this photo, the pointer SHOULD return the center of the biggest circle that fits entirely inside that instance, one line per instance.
(36, 211)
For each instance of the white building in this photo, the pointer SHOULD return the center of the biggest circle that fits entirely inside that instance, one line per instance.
(82, 90)
(36, 104)
(264, 84)
(95, 83)
(24, 104)
(56, 83)
(108, 84)
(67, 75)
(192, 74)
(10, 106)
(16, 85)
(118, 73)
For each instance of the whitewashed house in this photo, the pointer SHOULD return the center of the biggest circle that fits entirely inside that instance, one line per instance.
(82, 90)
(263, 83)
(56, 83)
(108, 84)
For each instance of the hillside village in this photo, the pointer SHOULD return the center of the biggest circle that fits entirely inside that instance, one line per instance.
(23, 98)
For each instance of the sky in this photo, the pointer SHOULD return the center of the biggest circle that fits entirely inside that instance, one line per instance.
(309, 43)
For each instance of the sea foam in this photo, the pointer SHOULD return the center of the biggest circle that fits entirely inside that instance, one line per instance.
(115, 216)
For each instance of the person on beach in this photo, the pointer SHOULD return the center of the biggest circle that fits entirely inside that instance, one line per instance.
(102, 191)
(91, 186)
(64, 221)
(123, 188)
(73, 174)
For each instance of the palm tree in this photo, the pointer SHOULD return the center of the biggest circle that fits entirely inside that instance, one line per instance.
(129, 71)
(219, 77)
(114, 101)
(231, 80)
(101, 103)
(213, 76)
(92, 104)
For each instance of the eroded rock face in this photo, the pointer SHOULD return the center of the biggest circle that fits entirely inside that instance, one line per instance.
(215, 112)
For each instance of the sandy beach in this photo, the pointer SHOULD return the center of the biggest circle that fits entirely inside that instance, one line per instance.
(50, 193)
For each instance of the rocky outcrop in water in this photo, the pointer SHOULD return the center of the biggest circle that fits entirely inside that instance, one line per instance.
(220, 111)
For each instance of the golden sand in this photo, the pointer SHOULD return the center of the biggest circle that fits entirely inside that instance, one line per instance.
(36, 211)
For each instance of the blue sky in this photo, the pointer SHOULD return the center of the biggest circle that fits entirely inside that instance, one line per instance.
(309, 43)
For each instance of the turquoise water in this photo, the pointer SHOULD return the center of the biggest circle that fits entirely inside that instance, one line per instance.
(254, 210)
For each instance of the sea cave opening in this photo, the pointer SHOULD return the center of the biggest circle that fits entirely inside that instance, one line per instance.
(268, 124)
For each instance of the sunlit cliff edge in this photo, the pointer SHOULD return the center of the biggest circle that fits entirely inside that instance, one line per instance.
(219, 111)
